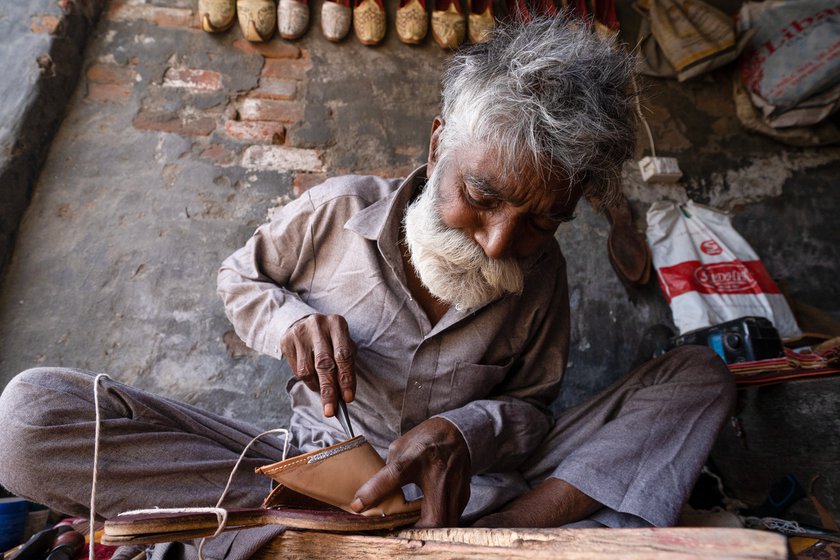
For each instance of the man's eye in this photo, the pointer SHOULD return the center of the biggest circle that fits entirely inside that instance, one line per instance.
(480, 200)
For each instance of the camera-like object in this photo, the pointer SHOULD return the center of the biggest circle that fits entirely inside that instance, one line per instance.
(747, 339)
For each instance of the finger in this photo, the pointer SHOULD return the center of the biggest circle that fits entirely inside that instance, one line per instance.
(325, 369)
(344, 354)
(387, 480)
(296, 349)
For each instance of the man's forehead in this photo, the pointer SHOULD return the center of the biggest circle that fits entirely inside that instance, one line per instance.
(518, 185)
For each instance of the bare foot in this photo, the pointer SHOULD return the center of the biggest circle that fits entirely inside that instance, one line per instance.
(553, 503)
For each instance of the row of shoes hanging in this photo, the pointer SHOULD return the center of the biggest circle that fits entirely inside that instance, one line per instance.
(450, 26)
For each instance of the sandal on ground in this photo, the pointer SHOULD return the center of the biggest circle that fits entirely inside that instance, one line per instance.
(315, 492)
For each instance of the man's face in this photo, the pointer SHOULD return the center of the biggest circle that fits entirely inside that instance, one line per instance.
(472, 225)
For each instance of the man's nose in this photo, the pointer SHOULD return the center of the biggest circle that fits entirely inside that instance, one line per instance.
(496, 238)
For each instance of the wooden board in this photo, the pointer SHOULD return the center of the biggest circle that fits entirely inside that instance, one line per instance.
(533, 544)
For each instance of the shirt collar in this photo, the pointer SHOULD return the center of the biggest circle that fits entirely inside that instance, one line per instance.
(382, 220)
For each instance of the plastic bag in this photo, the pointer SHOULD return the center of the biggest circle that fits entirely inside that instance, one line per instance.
(791, 65)
(708, 272)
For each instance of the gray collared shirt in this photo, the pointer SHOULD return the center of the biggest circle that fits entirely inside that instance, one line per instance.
(491, 371)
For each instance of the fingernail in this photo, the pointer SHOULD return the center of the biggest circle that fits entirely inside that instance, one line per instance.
(357, 505)
(329, 411)
(348, 395)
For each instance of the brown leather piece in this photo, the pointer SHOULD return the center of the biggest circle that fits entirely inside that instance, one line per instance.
(333, 475)
(628, 250)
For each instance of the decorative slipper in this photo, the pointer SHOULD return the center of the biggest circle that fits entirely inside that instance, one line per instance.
(480, 22)
(216, 15)
(369, 21)
(315, 492)
(256, 19)
(448, 23)
(292, 18)
(412, 21)
(336, 19)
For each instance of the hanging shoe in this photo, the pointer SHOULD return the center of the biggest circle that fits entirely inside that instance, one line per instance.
(256, 19)
(336, 19)
(216, 15)
(412, 21)
(480, 22)
(369, 21)
(517, 11)
(292, 18)
(448, 23)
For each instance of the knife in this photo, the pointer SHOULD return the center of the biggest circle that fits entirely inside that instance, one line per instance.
(344, 418)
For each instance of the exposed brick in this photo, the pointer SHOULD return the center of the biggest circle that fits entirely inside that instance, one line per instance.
(192, 79)
(275, 88)
(219, 154)
(290, 69)
(257, 131)
(172, 122)
(159, 15)
(110, 93)
(111, 74)
(305, 181)
(270, 110)
(276, 48)
(45, 24)
(281, 158)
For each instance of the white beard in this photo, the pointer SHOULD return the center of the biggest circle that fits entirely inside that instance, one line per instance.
(451, 265)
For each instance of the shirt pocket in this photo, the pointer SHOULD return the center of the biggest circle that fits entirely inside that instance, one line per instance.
(470, 382)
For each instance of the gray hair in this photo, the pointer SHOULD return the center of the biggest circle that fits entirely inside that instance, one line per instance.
(550, 91)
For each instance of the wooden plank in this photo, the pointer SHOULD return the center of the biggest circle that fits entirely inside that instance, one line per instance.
(533, 544)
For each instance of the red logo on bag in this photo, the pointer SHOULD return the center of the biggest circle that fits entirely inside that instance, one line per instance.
(725, 278)
(710, 247)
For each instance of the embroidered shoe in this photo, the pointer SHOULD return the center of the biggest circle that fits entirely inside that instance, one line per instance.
(336, 19)
(448, 24)
(480, 22)
(369, 21)
(216, 15)
(256, 19)
(292, 18)
(412, 21)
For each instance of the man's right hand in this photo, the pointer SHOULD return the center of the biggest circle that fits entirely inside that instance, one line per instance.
(322, 355)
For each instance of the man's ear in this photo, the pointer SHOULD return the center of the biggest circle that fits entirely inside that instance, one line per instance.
(434, 143)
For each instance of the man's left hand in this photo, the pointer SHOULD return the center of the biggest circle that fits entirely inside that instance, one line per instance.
(434, 456)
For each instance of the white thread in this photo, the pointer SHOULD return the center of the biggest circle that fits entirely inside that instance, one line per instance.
(220, 512)
(91, 554)
(636, 95)
(223, 522)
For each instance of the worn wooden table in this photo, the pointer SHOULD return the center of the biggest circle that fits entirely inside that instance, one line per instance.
(532, 544)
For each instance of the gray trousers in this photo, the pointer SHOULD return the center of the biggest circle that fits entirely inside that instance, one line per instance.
(637, 448)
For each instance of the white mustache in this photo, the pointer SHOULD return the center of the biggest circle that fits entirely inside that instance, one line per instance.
(452, 266)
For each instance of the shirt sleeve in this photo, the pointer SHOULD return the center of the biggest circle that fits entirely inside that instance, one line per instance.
(253, 281)
(504, 429)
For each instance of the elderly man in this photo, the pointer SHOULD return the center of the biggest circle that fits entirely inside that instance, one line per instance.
(436, 306)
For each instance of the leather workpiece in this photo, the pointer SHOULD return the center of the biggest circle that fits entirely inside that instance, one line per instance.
(332, 475)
